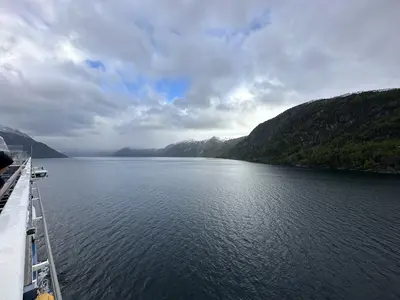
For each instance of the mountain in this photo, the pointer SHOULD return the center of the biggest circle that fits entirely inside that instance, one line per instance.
(359, 131)
(128, 152)
(207, 148)
(15, 137)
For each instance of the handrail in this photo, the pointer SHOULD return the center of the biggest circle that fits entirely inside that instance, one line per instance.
(11, 180)
(53, 273)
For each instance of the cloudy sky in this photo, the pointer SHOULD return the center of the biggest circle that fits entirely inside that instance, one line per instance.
(102, 74)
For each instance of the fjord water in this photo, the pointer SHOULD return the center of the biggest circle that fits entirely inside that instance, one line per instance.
(192, 228)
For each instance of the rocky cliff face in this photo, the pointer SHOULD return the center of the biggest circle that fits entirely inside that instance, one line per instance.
(15, 137)
(357, 131)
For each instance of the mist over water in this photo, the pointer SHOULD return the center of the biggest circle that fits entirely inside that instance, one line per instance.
(192, 228)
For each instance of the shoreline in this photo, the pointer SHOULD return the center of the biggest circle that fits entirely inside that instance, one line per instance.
(300, 166)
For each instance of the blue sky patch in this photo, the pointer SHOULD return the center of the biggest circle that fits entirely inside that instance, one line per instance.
(172, 88)
(259, 22)
(169, 88)
(95, 64)
(228, 34)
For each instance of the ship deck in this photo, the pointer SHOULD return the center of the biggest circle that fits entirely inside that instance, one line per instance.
(8, 181)
(14, 199)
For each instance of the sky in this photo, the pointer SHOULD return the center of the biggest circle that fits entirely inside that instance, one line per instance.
(100, 74)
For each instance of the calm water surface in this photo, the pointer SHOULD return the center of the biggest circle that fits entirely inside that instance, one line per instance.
(220, 229)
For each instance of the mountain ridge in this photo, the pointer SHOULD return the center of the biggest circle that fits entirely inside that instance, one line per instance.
(357, 131)
(39, 150)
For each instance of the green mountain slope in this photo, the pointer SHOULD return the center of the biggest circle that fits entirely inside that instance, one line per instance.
(15, 137)
(358, 131)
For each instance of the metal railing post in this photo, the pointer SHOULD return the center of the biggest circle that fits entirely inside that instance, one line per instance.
(53, 273)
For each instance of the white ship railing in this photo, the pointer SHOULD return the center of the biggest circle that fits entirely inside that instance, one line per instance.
(53, 274)
(13, 220)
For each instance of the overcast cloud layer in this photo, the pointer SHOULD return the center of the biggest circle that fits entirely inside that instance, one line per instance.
(105, 74)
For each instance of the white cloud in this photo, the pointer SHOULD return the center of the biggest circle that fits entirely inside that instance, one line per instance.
(245, 62)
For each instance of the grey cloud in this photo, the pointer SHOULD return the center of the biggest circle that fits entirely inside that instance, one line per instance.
(331, 48)
(55, 100)
(181, 103)
(169, 117)
(192, 54)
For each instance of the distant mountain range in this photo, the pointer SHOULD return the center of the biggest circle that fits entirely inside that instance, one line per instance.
(213, 147)
(39, 150)
(88, 153)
